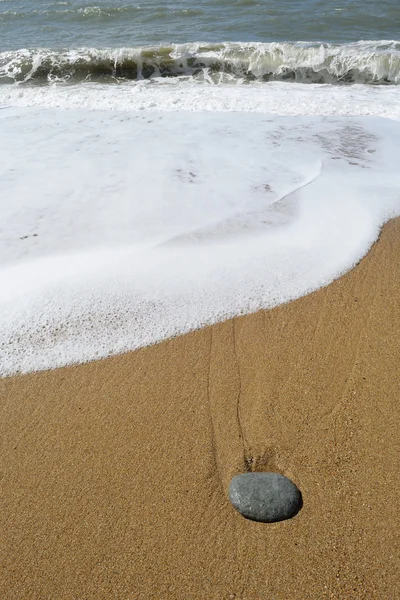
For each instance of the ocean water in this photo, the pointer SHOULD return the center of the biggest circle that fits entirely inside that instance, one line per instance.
(118, 23)
(342, 41)
(164, 166)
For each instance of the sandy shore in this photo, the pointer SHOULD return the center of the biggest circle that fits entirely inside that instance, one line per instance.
(114, 474)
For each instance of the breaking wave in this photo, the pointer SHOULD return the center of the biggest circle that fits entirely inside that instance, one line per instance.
(368, 62)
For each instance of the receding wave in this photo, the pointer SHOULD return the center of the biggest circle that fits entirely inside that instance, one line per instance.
(373, 62)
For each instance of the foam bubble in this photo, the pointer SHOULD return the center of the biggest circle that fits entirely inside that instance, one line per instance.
(123, 229)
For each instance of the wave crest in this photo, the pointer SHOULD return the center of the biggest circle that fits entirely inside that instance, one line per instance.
(374, 62)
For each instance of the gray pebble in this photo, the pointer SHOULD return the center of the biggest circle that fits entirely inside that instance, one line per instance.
(265, 497)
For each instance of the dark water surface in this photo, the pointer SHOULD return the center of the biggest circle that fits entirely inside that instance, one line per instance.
(119, 23)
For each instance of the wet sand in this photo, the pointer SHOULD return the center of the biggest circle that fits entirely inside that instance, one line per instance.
(114, 474)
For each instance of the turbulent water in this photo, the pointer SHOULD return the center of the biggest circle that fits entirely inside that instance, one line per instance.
(168, 165)
(216, 41)
(360, 62)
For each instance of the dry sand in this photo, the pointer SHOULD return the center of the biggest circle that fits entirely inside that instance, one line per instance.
(114, 474)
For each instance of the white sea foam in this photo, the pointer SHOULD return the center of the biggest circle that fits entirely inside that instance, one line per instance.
(120, 229)
(180, 95)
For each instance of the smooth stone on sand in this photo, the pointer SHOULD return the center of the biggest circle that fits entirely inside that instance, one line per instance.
(265, 497)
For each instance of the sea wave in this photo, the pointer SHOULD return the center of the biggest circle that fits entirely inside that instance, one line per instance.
(368, 62)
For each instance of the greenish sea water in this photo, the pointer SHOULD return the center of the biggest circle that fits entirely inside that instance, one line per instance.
(117, 23)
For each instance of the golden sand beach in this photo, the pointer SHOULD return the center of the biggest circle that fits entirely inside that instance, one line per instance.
(114, 474)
